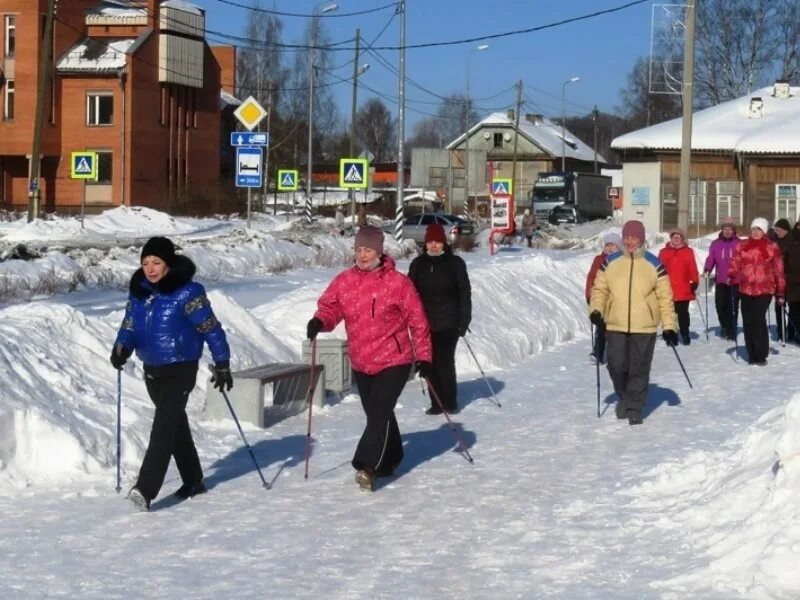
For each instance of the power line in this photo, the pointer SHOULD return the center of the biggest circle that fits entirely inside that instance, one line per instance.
(331, 14)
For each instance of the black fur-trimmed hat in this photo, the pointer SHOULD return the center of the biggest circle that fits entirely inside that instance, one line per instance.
(161, 247)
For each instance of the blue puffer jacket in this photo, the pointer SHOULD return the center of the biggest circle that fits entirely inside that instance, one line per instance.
(168, 321)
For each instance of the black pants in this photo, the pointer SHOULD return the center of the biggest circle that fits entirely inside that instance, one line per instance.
(793, 322)
(443, 378)
(682, 310)
(380, 448)
(726, 299)
(754, 319)
(600, 342)
(169, 388)
(630, 356)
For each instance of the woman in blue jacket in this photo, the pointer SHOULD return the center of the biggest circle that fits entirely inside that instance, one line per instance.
(167, 320)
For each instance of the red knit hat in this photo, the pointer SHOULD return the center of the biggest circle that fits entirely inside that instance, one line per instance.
(633, 229)
(435, 233)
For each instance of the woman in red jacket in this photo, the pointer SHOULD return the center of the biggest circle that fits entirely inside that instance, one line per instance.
(386, 331)
(758, 266)
(681, 265)
(612, 243)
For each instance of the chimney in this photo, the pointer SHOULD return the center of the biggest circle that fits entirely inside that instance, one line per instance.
(510, 114)
(756, 106)
(782, 89)
(535, 118)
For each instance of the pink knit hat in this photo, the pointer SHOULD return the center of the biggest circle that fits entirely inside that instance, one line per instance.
(633, 229)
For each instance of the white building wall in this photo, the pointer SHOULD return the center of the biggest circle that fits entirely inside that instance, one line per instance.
(642, 193)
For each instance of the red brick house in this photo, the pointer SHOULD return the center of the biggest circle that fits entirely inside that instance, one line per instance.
(134, 81)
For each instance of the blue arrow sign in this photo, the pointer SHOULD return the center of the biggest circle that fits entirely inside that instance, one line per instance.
(245, 138)
(248, 167)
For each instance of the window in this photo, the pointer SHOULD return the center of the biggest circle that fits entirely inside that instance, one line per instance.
(104, 169)
(498, 140)
(10, 36)
(729, 200)
(100, 109)
(8, 101)
(697, 205)
(786, 201)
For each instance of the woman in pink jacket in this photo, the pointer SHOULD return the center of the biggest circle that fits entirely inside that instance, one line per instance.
(387, 331)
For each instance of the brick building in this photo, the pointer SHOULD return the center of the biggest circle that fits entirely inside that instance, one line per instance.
(134, 81)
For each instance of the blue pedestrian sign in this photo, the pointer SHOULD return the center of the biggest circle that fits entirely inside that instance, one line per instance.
(83, 165)
(287, 180)
(501, 187)
(353, 172)
(246, 138)
(248, 167)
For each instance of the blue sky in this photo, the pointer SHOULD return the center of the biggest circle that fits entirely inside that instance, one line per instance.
(601, 51)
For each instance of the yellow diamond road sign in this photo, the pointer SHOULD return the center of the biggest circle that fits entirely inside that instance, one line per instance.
(250, 113)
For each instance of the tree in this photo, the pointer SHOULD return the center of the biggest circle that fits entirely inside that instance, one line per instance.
(447, 125)
(608, 127)
(259, 65)
(375, 129)
(639, 107)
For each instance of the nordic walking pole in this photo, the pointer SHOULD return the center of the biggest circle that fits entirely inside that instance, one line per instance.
(783, 325)
(734, 324)
(702, 318)
(597, 370)
(685, 374)
(707, 317)
(475, 358)
(241, 433)
(311, 386)
(459, 440)
(119, 426)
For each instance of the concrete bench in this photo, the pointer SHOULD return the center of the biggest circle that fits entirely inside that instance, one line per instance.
(266, 394)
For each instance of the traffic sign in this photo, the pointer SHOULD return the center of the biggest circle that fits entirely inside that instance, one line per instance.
(245, 138)
(501, 187)
(353, 172)
(250, 113)
(248, 167)
(83, 165)
(287, 180)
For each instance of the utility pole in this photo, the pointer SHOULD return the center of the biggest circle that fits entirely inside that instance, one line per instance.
(594, 128)
(266, 155)
(45, 61)
(401, 126)
(686, 132)
(516, 140)
(351, 192)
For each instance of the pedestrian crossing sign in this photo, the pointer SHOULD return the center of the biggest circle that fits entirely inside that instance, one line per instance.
(353, 173)
(287, 180)
(501, 187)
(83, 165)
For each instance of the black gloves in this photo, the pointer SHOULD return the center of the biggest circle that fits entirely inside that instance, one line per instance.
(462, 330)
(313, 328)
(424, 368)
(120, 355)
(596, 317)
(670, 337)
(221, 377)
(693, 286)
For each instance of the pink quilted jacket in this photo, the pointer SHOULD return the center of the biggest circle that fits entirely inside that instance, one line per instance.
(382, 314)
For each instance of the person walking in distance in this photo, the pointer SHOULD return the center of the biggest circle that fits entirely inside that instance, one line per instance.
(612, 243)
(167, 320)
(528, 226)
(726, 297)
(780, 235)
(443, 285)
(632, 295)
(791, 265)
(679, 260)
(386, 329)
(758, 267)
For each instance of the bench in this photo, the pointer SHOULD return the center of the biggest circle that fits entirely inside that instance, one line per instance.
(266, 394)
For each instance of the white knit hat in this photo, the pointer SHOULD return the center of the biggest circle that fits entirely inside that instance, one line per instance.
(612, 237)
(761, 223)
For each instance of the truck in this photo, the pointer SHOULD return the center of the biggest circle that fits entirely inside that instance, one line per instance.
(582, 195)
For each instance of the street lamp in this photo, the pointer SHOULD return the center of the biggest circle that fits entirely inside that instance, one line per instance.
(564, 118)
(357, 71)
(466, 131)
(313, 42)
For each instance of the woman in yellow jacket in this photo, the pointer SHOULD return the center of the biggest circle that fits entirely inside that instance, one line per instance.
(632, 295)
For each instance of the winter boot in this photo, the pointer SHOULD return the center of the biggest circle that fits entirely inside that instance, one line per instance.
(141, 501)
(621, 409)
(685, 339)
(365, 479)
(634, 417)
(434, 410)
(187, 490)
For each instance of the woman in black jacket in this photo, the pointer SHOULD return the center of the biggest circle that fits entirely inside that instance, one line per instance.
(443, 285)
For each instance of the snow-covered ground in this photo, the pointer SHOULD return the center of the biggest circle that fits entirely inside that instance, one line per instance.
(699, 502)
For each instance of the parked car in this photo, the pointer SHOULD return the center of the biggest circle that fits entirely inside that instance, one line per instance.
(563, 213)
(456, 228)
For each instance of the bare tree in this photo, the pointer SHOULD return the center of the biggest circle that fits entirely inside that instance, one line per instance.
(375, 129)
(260, 64)
(789, 39)
(426, 134)
(639, 107)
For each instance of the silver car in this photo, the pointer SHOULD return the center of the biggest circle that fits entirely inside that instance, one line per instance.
(455, 228)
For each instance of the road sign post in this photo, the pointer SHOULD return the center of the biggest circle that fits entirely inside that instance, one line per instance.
(83, 165)
(248, 172)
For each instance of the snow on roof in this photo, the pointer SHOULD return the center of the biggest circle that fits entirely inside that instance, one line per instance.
(96, 55)
(543, 133)
(227, 99)
(730, 126)
(184, 6)
(116, 9)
